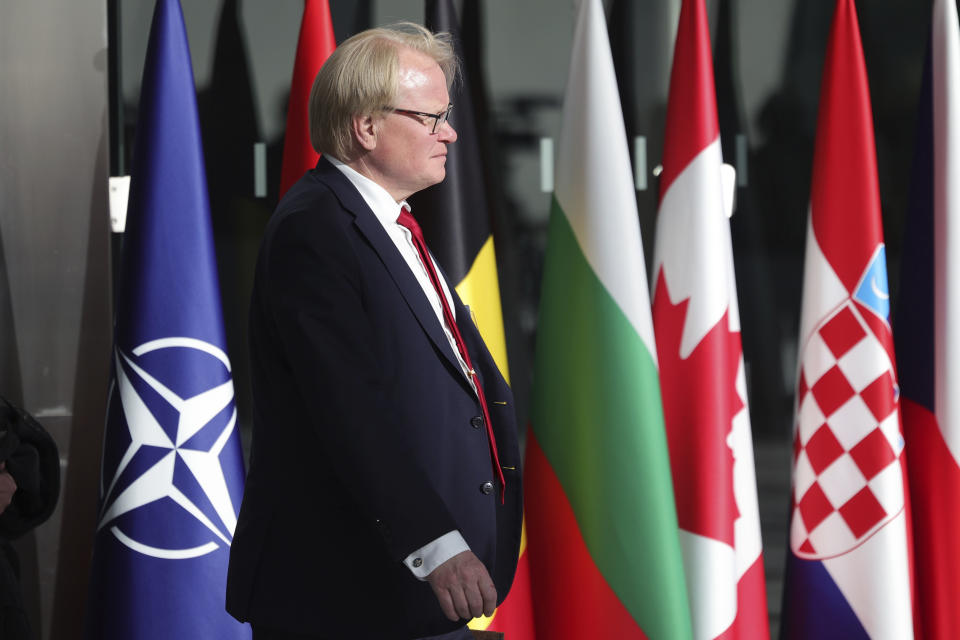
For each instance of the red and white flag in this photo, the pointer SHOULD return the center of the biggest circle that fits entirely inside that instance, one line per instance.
(697, 328)
(314, 46)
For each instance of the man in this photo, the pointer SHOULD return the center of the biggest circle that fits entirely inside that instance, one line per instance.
(383, 498)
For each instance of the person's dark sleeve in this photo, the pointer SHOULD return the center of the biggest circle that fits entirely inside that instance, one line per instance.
(32, 459)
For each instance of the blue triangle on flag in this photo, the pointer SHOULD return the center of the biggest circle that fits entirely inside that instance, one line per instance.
(813, 605)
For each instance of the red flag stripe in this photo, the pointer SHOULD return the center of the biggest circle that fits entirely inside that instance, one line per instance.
(844, 192)
(514, 618)
(564, 574)
(934, 475)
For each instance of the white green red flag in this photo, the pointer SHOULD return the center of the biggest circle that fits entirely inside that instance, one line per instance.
(604, 553)
(928, 333)
(697, 325)
(849, 562)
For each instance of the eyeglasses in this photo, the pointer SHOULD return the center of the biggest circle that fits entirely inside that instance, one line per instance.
(438, 118)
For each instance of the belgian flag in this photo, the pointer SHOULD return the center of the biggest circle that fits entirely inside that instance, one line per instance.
(455, 214)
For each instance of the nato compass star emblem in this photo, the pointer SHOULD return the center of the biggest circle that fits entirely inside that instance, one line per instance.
(170, 480)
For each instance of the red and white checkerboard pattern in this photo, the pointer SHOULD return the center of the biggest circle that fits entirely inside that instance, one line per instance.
(847, 477)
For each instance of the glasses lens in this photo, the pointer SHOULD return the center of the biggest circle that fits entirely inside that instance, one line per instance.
(440, 118)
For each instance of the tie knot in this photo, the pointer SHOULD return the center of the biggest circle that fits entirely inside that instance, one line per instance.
(406, 219)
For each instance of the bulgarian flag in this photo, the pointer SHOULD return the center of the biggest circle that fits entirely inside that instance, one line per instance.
(455, 215)
(604, 553)
(314, 46)
(697, 325)
(928, 333)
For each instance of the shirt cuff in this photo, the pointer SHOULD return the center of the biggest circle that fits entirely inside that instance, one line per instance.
(430, 556)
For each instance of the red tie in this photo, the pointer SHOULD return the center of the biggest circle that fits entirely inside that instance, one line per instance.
(407, 220)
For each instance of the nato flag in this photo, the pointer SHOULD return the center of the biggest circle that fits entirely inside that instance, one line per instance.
(172, 470)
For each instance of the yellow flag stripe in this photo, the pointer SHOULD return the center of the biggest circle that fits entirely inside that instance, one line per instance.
(480, 624)
(480, 291)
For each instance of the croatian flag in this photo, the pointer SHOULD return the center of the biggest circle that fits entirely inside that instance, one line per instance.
(928, 333)
(172, 470)
(848, 566)
(697, 326)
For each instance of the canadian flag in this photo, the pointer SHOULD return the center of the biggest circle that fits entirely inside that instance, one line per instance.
(697, 327)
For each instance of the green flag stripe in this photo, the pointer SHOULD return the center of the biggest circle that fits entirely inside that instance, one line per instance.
(597, 415)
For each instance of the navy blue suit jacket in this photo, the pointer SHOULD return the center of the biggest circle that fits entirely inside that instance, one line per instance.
(365, 443)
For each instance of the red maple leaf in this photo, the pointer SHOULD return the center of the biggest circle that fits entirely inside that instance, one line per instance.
(700, 399)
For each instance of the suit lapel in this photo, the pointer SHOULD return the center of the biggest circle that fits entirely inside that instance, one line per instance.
(376, 235)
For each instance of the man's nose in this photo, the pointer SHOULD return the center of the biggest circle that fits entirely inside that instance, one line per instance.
(447, 132)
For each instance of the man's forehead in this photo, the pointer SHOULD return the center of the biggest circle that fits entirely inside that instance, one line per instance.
(421, 76)
(413, 77)
(415, 67)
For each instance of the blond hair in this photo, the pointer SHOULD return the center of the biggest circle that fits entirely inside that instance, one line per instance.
(361, 77)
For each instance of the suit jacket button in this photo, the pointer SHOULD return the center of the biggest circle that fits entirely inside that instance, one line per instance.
(417, 563)
(476, 422)
(486, 488)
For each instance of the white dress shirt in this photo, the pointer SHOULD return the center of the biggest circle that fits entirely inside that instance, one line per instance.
(427, 558)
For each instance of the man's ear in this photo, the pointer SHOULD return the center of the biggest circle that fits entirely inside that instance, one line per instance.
(365, 129)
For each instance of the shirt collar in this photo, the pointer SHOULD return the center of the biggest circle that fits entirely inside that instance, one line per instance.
(377, 198)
